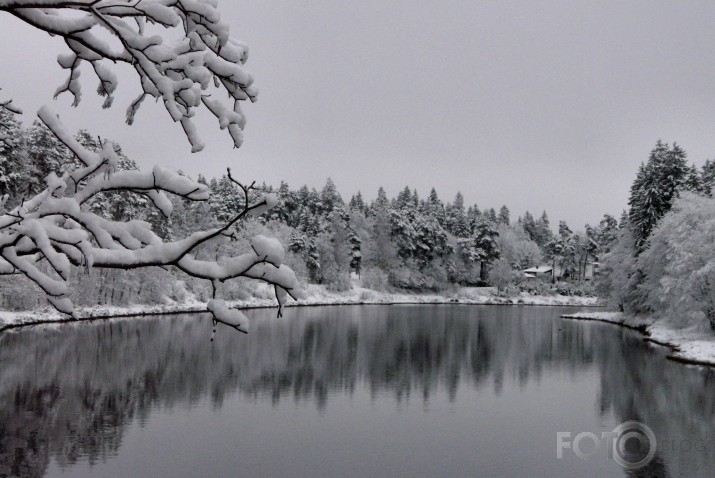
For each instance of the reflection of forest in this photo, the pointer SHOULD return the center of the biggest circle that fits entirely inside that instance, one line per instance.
(70, 391)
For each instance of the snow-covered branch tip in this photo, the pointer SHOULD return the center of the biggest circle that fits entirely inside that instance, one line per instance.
(47, 235)
(184, 71)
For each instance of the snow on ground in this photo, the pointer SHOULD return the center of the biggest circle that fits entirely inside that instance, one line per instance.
(315, 295)
(690, 345)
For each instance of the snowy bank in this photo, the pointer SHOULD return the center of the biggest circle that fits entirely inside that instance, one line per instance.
(690, 345)
(316, 295)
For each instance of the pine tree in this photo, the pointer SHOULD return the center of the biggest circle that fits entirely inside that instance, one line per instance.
(415, 199)
(606, 233)
(380, 203)
(283, 211)
(225, 198)
(357, 203)
(402, 222)
(503, 217)
(403, 199)
(330, 198)
(675, 172)
(564, 230)
(473, 215)
(693, 180)
(297, 242)
(434, 207)
(456, 217)
(384, 250)
(656, 186)
(492, 215)
(15, 168)
(431, 240)
(314, 204)
(568, 242)
(46, 154)
(708, 177)
(482, 245)
(355, 244)
(543, 230)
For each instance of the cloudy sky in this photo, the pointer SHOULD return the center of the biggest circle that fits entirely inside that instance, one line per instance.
(539, 105)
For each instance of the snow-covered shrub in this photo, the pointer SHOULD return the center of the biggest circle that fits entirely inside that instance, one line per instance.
(336, 280)
(616, 280)
(406, 278)
(374, 278)
(334, 263)
(501, 274)
(674, 277)
(678, 265)
(516, 247)
(409, 277)
(537, 287)
(178, 292)
(575, 289)
(567, 288)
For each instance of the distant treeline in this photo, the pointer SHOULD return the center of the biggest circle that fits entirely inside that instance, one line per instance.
(405, 242)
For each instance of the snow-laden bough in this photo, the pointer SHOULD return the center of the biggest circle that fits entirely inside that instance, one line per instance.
(57, 229)
(48, 234)
(184, 71)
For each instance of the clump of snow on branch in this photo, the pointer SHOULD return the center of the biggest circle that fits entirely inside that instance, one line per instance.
(200, 66)
(231, 317)
(48, 234)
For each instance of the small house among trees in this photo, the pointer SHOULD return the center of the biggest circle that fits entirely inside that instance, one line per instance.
(538, 272)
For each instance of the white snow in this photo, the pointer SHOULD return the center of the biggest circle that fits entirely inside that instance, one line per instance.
(312, 295)
(269, 248)
(231, 317)
(266, 202)
(690, 345)
(178, 69)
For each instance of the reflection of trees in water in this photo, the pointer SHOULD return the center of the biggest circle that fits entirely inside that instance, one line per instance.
(677, 402)
(70, 391)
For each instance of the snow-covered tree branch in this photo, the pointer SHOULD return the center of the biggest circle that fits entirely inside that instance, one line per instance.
(51, 232)
(54, 228)
(184, 72)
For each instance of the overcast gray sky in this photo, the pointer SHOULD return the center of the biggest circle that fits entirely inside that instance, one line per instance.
(539, 105)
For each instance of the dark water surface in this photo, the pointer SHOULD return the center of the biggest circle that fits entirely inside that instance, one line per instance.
(373, 391)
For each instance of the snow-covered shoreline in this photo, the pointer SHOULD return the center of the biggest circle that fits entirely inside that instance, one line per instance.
(316, 296)
(690, 345)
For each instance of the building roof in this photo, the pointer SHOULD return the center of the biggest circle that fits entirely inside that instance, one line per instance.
(538, 270)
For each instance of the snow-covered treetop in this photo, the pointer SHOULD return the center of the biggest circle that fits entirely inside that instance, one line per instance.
(184, 71)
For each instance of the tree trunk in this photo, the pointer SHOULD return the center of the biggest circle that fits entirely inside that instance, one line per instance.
(553, 270)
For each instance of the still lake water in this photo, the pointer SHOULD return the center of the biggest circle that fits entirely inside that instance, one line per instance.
(414, 391)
